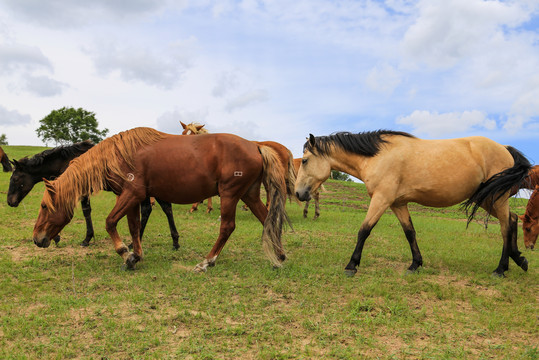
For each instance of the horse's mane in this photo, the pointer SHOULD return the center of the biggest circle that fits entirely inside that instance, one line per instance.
(366, 143)
(66, 152)
(92, 171)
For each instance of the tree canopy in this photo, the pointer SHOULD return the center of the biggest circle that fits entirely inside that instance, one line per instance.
(3, 139)
(70, 125)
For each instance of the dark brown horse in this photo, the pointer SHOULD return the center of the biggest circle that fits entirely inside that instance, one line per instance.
(398, 168)
(144, 162)
(5, 161)
(530, 220)
(50, 164)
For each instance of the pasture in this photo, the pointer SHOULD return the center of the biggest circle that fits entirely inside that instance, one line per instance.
(72, 302)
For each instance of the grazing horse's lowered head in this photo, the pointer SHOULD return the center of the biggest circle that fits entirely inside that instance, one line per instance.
(530, 220)
(52, 218)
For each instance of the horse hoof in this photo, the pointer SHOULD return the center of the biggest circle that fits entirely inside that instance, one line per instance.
(131, 260)
(524, 264)
(199, 269)
(85, 243)
(350, 272)
(498, 275)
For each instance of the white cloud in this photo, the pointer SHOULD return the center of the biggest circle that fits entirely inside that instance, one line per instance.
(437, 125)
(18, 57)
(246, 99)
(160, 67)
(78, 13)
(448, 31)
(13, 117)
(383, 79)
(43, 86)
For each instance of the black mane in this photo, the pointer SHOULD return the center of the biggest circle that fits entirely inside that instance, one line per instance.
(67, 152)
(364, 143)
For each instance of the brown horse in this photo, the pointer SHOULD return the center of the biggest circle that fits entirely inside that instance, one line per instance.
(196, 129)
(530, 182)
(144, 162)
(398, 168)
(4, 160)
(315, 194)
(284, 155)
(530, 220)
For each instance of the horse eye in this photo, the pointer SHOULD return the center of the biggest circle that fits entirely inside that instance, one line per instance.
(304, 161)
(43, 206)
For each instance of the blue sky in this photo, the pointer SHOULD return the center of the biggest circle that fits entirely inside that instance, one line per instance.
(276, 70)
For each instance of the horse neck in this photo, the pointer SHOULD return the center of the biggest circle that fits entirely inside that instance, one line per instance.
(347, 162)
(532, 209)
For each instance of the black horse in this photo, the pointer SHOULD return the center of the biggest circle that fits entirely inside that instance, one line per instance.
(49, 164)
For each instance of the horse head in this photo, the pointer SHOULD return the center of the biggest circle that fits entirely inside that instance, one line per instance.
(52, 218)
(315, 168)
(530, 221)
(20, 184)
(193, 129)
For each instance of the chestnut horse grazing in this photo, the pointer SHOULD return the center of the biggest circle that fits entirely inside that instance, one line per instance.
(4, 160)
(398, 168)
(144, 162)
(530, 220)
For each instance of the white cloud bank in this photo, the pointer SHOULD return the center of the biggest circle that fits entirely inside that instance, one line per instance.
(440, 125)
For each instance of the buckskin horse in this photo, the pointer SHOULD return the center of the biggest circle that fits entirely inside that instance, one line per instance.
(4, 160)
(144, 162)
(398, 168)
(49, 164)
(530, 220)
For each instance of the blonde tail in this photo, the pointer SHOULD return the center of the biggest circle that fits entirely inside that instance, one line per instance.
(275, 178)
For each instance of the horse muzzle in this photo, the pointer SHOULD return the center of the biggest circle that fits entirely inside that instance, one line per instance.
(304, 194)
(42, 241)
(13, 201)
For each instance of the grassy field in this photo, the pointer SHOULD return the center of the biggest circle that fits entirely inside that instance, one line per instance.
(73, 302)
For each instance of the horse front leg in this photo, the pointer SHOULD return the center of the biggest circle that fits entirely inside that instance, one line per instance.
(376, 208)
(124, 205)
(210, 205)
(316, 204)
(228, 224)
(87, 212)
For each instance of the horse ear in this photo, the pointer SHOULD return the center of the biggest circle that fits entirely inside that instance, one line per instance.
(49, 186)
(312, 139)
(183, 125)
(14, 162)
(536, 187)
(198, 127)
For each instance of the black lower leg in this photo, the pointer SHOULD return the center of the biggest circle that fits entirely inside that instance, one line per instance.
(87, 212)
(167, 209)
(362, 235)
(417, 260)
(514, 252)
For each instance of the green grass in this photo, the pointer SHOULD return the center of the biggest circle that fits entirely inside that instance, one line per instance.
(73, 302)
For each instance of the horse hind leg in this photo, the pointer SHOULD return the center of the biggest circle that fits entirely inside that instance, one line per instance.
(228, 224)
(509, 230)
(405, 220)
(316, 204)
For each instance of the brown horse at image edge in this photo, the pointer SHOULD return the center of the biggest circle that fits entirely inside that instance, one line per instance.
(144, 162)
(398, 168)
(530, 220)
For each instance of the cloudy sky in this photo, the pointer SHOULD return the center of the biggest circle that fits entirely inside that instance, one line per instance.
(276, 70)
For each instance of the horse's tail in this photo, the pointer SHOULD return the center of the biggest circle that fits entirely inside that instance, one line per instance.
(275, 177)
(498, 184)
(291, 178)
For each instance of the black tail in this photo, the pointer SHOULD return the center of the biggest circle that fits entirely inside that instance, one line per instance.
(499, 184)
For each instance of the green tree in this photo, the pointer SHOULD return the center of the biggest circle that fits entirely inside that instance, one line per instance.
(337, 175)
(69, 125)
(3, 139)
